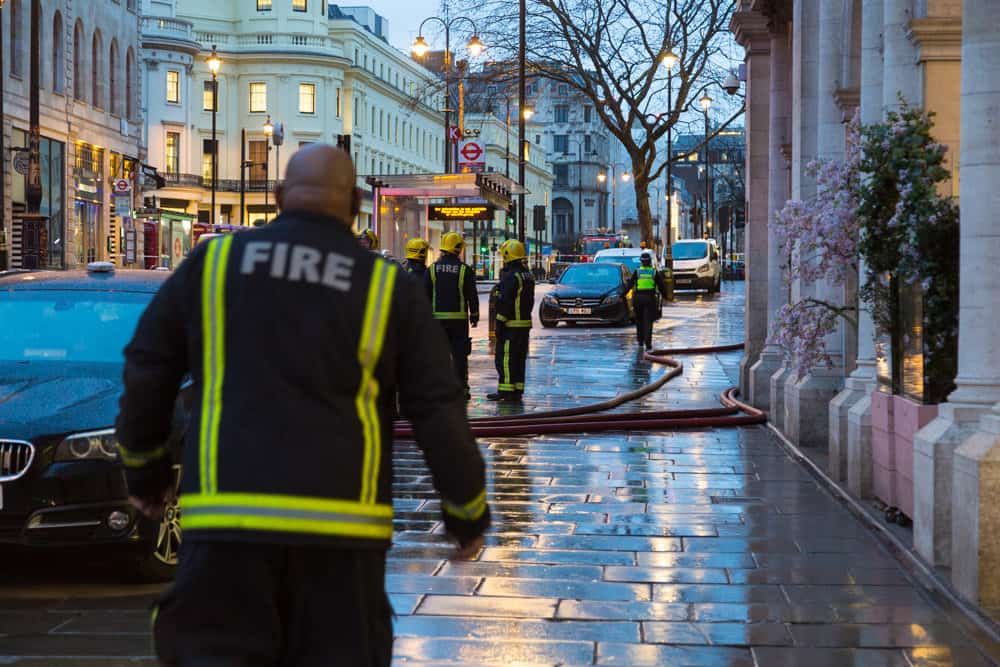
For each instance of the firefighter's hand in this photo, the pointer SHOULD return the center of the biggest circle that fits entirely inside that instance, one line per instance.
(468, 550)
(152, 508)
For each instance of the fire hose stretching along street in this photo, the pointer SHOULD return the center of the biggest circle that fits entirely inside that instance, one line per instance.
(585, 418)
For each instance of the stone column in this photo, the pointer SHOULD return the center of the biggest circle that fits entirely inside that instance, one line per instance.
(772, 355)
(976, 489)
(859, 415)
(899, 72)
(811, 396)
(751, 32)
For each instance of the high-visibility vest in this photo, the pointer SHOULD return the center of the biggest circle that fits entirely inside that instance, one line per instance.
(647, 279)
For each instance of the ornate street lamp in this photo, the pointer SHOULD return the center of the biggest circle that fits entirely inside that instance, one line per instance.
(268, 132)
(214, 63)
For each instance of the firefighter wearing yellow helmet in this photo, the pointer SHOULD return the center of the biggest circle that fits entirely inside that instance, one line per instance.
(368, 239)
(416, 257)
(451, 287)
(515, 294)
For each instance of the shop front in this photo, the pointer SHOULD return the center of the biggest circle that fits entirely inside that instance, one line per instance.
(167, 238)
(39, 242)
(88, 203)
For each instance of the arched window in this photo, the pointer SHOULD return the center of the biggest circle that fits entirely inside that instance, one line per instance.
(96, 71)
(58, 55)
(114, 105)
(130, 84)
(16, 39)
(78, 54)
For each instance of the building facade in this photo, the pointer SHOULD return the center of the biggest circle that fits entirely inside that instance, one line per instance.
(90, 125)
(292, 71)
(811, 65)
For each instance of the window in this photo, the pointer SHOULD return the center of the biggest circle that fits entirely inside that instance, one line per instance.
(258, 160)
(587, 111)
(562, 175)
(562, 113)
(307, 98)
(207, 157)
(96, 71)
(16, 39)
(129, 84)
(58, 59)
(538, 140)
(172, 157)
(340, 104)
(207, 95)
(78, 77)
(300, 5)
(114, 105)
(263, 5)
(560, 143)
(587, 147)
(258, 97)
(491, 91)
(173, 86)
(562, 90)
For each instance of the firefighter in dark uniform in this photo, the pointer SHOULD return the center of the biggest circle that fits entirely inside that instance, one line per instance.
(451, 287)
(645, 281)
(297, 340)
(416, 257)
(515, 294)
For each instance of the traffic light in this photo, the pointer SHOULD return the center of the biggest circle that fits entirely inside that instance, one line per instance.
(512, 215)
(539, 218)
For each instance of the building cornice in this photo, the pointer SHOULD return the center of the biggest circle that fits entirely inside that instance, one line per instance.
(937, 38)
(848, 99)
(752, 32)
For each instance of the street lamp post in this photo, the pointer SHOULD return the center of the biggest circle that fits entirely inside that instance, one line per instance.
(213, 64)
(268, 131)
(670, 60)
(421, 47)
(706, 104)
(601, 177)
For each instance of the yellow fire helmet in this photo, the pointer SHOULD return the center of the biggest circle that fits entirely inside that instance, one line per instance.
(452, 242)
(368, 239)
(512, 250)
(417, 249)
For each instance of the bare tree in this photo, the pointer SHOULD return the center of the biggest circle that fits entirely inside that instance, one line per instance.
(611, 51)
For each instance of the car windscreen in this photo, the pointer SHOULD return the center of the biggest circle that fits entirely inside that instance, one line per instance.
(592, 275)
(67, 325)
(631, 263)
(690, 250)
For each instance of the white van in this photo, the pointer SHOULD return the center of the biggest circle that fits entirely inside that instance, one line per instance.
(697, 265)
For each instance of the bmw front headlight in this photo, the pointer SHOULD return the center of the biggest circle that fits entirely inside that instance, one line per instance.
(92, 446)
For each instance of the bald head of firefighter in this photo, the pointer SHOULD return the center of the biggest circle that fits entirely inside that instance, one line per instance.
(297, 341)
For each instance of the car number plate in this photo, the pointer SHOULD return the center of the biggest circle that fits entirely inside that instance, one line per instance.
(578, 311)
(685, 281)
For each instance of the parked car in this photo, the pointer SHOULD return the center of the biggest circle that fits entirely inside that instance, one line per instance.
(61, 482)
(697, 265)
(733, 269)
(592, 293)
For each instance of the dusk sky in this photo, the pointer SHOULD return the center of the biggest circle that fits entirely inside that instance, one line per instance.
(404, 17)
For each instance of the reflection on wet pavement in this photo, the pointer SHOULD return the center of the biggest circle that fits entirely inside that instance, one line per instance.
(696, 547)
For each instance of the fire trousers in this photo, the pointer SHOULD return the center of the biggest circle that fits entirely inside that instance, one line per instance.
(511, 358)
(244, 604)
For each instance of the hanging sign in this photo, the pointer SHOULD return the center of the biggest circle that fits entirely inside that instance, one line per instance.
(444, 212)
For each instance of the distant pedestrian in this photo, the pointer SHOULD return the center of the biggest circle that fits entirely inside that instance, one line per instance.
(515, 296)
(451, 287)
(297, 340)
(645, 281)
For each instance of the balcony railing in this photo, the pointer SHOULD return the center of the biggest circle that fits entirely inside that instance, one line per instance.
(225, 184)
(165, 26)
(182, 180)
(282, 40)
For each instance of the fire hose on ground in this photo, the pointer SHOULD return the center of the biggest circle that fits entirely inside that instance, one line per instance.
(595, 417)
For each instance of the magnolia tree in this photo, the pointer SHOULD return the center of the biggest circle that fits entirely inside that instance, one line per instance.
(819, 238)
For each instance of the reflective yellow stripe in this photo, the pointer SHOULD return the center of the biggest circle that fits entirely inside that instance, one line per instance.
(449, 316)
(294, 514)
(519, 324)
(213, 321)
(369, 350)
(517, 299)
(506, 364)
(501, 318)
(461, 289)
(434, 288)
(139, 459)
(470, 511)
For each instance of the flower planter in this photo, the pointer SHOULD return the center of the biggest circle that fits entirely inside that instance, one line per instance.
(908, 418)
(883, 449)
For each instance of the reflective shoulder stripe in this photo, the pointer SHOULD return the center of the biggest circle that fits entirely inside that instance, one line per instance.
(213, 327)
(517, 299)
(470, 511)
(461, 289)
(291, 514)
(376, 317)
(139, 459)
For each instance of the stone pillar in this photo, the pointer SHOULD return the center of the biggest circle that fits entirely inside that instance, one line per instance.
(772, 355)
(752, 33)
(899, 72)
(976, 488)
(808, 401)
(859, 415)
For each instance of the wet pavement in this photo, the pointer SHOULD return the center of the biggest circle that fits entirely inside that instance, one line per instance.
(695, 547)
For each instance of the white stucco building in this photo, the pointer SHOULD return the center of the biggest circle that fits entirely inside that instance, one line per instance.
(318, 70)
(91, 129)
